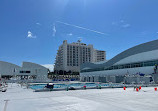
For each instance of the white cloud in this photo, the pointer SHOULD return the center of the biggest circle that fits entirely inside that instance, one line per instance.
(144, 33)
(114, 23)
(54, 30)
(38, 23)
(122, 21)
(49, 66)
(118, 22)
(126, 25)
(70, 34)
(30, 35)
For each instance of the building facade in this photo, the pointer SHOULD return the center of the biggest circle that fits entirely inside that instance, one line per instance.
(71, 56)
(28, 71)
(99, 55)
(141, 59)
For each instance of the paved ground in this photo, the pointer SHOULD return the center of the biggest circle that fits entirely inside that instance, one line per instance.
(22, 99)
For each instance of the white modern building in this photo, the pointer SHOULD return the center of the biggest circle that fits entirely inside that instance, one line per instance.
(28, 71)
(141, 59)
(70, 56)
(99, 55)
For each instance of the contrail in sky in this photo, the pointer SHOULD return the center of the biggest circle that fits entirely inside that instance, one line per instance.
(81, 28)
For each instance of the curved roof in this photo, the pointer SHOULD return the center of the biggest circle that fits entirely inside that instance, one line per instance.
(32, 65)
(7, 63)
(145, 47)
(7, 68)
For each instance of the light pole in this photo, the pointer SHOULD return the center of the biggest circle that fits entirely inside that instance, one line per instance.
(5, 106)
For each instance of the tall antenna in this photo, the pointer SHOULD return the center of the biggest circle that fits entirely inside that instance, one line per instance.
(80, 39)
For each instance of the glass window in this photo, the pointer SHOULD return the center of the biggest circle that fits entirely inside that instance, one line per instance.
(127, 66)
(133, 65)
(115, 67)
(28, 71)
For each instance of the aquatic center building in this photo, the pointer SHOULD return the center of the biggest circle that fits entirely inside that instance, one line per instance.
(28, 71)
(134, 64)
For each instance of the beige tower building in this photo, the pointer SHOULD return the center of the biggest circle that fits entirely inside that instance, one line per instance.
(70, 56)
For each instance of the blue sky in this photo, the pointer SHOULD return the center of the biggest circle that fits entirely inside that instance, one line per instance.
(29, 31)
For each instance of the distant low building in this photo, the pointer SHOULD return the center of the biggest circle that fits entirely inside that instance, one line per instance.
(99, 55)
(28, 71)
(71, 56)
